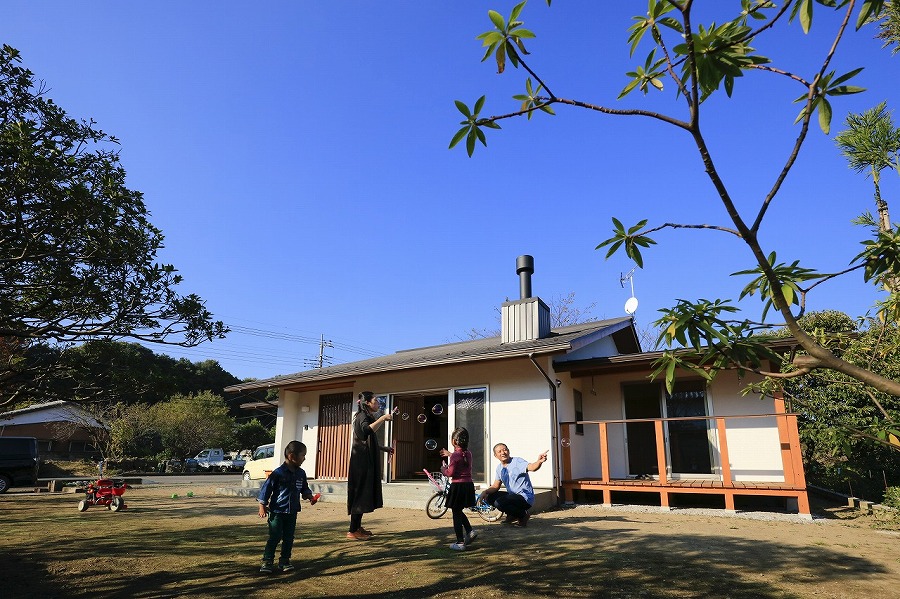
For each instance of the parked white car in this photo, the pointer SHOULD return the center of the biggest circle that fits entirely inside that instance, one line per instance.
(262, 460)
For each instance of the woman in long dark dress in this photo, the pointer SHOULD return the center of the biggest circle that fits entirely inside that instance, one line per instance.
(364, 475)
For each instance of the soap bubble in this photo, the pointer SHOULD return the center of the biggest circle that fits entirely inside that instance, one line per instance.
(438, 409)
(565, 442)
(430, 444)
(422, 418)
(405, 416)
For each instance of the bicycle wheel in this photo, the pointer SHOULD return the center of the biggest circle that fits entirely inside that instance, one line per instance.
(436, 506)
(487, 512)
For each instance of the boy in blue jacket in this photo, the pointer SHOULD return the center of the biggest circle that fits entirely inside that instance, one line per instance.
(279, 500)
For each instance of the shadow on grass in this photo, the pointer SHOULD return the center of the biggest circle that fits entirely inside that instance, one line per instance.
(569, 557)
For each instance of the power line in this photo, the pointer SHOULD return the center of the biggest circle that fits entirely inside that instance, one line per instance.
(255, 332)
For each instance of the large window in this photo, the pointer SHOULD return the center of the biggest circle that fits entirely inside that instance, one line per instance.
(689, 446)
(470, 413)
(688, 441)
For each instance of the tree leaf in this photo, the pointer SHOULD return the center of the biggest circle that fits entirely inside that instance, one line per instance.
(470, 141)
(517, 9)
(479, 104)
(824, 116)
(458, 137)
(497, 19)
(869, 8)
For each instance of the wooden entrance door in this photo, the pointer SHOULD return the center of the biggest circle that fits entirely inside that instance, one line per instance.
(335, 435)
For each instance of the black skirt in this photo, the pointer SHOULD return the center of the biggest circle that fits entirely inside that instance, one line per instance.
(461, 496)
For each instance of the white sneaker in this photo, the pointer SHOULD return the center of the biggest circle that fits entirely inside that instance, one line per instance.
(471, 536)
(458, 547)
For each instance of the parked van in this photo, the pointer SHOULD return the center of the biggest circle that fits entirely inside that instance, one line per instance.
(263, 459)
(19, 462)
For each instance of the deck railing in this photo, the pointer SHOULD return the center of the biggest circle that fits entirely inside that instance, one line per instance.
(794, 484)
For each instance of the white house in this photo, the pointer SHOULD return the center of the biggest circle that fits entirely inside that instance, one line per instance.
(582, 391)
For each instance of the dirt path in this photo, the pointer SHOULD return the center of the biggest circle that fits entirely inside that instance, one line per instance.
(210, 545)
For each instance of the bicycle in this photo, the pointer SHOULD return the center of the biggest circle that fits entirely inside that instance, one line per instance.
(437, 503)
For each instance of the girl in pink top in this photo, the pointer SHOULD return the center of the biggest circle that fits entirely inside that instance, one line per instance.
(462, 489)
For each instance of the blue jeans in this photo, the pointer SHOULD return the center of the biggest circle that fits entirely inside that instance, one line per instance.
(281, 528)
(511, 504)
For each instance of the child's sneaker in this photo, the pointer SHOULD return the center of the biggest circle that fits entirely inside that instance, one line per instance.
(458, 546)
(266, 568)
(286, 566)
(473, 534)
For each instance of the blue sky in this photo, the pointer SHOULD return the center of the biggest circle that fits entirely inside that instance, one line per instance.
(295, 156)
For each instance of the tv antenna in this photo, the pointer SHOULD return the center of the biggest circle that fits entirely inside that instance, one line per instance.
(632, 303)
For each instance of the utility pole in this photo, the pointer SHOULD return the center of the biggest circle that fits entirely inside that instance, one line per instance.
(322, 359)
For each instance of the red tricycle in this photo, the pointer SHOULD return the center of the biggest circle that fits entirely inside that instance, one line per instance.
(104, 491)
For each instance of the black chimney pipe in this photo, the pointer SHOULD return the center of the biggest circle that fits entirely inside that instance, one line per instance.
(524, 268)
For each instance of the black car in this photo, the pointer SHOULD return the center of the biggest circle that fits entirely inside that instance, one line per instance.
(19, 462)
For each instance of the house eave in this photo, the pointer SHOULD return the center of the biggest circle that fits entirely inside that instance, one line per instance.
(641, 361)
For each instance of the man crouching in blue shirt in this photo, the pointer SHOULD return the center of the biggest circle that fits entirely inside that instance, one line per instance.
(279, 499)
(512, 473)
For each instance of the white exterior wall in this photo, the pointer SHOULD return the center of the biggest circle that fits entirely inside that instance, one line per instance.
(518, 409)
(604, 346)
(754, 449)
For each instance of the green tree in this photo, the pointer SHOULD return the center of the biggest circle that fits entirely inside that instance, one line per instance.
(132, 432)
(77, 251)
(871, 144)
(188, 423)
(889, 27)
(700, 60)
(839, 417)
(252, 434)
(108, 372)
(112, 372)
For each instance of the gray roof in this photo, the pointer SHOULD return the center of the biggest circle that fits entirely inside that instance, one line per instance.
(37, 407)
(559, 340)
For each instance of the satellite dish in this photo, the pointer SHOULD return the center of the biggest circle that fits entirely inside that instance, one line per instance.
(631, 305)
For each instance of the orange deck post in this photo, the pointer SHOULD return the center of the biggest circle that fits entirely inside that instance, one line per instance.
(725, 462)
(604, 461)
(604, 451)
(723, 453)
(661, 464)
(660, 451)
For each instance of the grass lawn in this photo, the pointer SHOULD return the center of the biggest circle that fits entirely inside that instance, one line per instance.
(210, 546)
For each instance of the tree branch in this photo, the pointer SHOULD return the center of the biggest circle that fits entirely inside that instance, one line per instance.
(680, 226)
(804, 128)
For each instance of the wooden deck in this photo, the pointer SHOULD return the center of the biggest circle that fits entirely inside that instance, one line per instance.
(794, 485)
